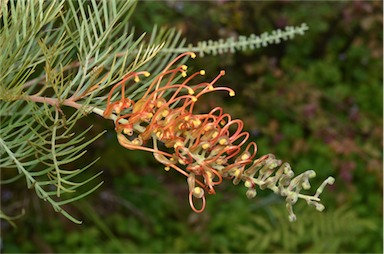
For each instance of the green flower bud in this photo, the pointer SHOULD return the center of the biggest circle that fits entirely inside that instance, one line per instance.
(251, 193)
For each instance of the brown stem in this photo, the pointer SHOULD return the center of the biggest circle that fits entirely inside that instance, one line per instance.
(71, 103)
(54, 101)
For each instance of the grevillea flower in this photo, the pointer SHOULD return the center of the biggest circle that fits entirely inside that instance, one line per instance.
(204, 147)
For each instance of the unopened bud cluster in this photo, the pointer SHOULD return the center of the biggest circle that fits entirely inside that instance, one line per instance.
(203, 147)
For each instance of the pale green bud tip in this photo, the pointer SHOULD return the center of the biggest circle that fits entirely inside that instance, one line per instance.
(251, 193)
(273, 165)
(292, 217)
(248, 184)
(287, 167)
(236, 181)
(292, 198)
(306, 185)
(311, 173)
(331, 180)
(319, 207)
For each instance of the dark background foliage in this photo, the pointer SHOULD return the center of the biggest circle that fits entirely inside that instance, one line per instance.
(315, 101)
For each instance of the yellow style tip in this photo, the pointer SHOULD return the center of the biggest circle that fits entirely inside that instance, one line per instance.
(191, 91)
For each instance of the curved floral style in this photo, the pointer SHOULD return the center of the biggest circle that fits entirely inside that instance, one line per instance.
(204, 147)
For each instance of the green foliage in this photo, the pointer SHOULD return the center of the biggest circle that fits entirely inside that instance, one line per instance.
(328, 232)
(61, 53)
(47, 50)
(49, 144)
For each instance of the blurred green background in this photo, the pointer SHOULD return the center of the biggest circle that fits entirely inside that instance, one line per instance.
(315, 101)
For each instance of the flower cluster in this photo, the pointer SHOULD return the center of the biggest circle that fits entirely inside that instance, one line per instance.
(204, 147)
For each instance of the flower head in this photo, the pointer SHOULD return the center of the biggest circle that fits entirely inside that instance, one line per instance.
(203, 147)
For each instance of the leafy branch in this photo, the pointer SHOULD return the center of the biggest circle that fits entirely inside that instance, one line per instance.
(243, 43)
(59, 54)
